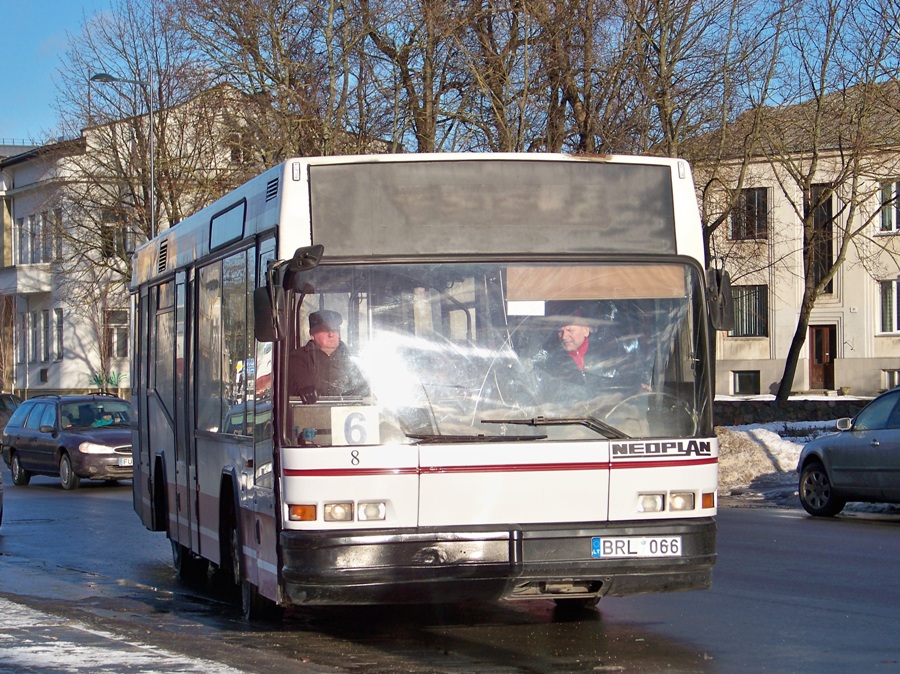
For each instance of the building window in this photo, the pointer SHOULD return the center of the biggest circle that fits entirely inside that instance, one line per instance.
(58, 322)
(57, 234)
(889, 313)
(48, 233)
(890, 207)
(746, 382)
(21, 241)
(34, 237)
(117, 333)
(823, 227)
(751, 311)
(35, 336)
(22, 338)
(45, 341)
(750, 217)
(890, 378)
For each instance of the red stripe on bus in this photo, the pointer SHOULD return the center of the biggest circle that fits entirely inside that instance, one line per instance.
(503, 468)
(517, 468)
(344, 472)
(493, 468)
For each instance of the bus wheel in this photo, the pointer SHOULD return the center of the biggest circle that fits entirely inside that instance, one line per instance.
(575, 606)
(67, 477)
(188, 566)
(256, 607)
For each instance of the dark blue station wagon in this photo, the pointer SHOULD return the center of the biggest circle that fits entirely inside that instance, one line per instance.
(74, 437)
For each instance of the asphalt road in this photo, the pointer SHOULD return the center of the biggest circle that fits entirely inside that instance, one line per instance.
(84, 587)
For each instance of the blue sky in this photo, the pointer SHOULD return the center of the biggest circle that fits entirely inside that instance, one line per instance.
(33, 40)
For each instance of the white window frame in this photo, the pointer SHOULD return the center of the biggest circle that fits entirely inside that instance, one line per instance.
(58, 325)
(890, 207)
(739, 226)
(117, 333)
(762, 317)
(35, 337)
(45, 336)
(889, 312)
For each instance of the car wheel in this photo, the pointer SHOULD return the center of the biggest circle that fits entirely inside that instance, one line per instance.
(67, 477)
(20, 476)
(816, 493)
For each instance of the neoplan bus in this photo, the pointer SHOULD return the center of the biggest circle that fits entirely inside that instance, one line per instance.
(465, 466)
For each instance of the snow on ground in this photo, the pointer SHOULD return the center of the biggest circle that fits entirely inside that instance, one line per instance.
(758, 462)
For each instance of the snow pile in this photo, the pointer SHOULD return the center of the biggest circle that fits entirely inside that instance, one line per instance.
(759, 462)
(746, 454)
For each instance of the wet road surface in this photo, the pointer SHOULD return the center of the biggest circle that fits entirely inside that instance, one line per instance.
(790, 594)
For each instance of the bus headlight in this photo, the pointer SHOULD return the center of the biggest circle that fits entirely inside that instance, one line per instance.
(372, 510)
(339, 512)
(681, 500)
(651, 503)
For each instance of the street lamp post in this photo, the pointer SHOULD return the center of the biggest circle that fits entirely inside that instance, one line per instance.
(112, 79)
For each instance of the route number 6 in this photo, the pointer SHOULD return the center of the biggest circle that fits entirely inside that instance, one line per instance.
(354, 425)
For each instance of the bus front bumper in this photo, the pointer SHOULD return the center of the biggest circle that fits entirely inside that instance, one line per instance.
(490, 563)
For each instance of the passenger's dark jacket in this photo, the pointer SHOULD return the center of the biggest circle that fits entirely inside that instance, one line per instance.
(312, 371)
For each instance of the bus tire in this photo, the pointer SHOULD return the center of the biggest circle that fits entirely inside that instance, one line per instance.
(188, 566)
(229, 571)
(256, 607)
(575, 605)
(67, 477)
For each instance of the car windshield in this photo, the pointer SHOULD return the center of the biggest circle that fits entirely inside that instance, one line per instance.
(95, 414)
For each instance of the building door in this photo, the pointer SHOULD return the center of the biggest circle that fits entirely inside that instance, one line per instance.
(822, 347)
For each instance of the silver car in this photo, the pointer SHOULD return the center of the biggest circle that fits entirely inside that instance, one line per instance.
(861, 462)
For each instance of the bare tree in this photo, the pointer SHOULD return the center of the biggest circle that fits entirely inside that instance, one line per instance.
(497, 47)
(826, 143)
(423, 71)
(7, 343)
(305, 88)
(151, 130)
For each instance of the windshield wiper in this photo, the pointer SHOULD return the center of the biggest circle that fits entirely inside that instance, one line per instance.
(593, 423)
(427, 438)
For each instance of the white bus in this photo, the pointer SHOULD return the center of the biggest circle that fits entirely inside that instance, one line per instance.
(530, 411)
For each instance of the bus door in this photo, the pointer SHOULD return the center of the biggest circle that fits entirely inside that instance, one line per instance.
(140, 444)
(185, 453)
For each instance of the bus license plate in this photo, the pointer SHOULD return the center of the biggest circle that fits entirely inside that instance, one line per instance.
(126, 461)
(619, 547)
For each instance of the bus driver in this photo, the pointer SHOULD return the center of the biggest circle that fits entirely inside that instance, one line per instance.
(323, 367)
(584, 365)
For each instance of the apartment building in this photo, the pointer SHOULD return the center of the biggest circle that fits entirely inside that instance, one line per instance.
(853, 340)
(55, 341)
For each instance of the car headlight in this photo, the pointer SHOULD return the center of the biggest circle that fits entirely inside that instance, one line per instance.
(94, 448)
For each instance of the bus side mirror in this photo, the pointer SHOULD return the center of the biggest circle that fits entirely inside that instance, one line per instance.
(268, 314)
(721, 301)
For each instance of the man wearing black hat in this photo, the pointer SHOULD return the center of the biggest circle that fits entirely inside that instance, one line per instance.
(323, 367)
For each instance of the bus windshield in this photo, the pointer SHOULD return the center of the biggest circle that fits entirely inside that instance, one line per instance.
(481, 351)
